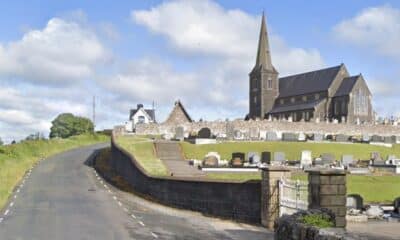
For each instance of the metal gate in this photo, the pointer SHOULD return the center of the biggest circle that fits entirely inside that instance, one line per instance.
(293, 196)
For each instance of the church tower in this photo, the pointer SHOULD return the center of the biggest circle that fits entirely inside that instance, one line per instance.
(264, 83)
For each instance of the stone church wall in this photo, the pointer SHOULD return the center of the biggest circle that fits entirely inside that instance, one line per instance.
(220, 127)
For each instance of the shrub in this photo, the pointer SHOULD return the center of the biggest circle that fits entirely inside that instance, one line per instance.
(317, 220)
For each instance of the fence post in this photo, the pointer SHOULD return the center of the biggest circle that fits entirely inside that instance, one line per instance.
(327, 189)
(270, 193)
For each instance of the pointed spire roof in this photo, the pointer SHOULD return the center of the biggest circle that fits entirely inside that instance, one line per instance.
(263, 52)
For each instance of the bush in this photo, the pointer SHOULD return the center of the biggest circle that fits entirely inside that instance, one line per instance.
(317, 220)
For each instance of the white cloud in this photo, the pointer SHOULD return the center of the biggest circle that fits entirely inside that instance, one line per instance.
(375, 28)
(61, 52)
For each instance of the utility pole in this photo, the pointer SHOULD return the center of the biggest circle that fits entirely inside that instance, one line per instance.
(154, 111)
(94, 113)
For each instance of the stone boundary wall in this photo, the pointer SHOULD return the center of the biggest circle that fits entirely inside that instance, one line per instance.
(232, 200)
(220, 127)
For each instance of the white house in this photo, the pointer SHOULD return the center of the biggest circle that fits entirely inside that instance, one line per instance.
(140, 115)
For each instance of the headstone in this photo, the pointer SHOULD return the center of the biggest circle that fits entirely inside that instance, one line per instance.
(301, 137)
(290, 119)
(396, 205)
(237, 159)
(318, 161)
(317, 120)
(376, 138)
(254, 133)
(266, 157)
(263, 135)
(289, 137)
(179, 133)
(204, 133)
(365, 138)
(230, 131)
(347, 160)
(279, 158)
(327, 158)
(358, 122)
(354, 201)
(335, 121)
(238, 135)
(376, 157)
(341, 138)
(254, 158)
(271, 136)
(343, 120)
(306, 158)
(210, 161)
(375, 212)
(318, 137)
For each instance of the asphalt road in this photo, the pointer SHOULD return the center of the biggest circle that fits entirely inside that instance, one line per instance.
(63, 198)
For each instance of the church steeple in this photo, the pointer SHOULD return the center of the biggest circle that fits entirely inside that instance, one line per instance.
(263, 52)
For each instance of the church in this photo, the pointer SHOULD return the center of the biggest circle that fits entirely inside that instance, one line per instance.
(324, 94)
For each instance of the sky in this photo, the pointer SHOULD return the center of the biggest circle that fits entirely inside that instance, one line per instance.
(56, 55)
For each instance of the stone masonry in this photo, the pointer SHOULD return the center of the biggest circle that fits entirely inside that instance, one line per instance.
(270, 194)
(327, 189)
(220, 127)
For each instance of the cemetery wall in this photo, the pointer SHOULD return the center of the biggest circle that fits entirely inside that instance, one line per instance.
(232, 200)
(220, 127)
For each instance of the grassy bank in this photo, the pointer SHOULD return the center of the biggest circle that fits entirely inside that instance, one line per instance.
(142, 149)
(291, 149)
(16, 159)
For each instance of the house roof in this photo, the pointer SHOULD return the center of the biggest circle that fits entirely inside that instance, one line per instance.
(346, 86)
(296, 107)
(315, 81)
(149, 112)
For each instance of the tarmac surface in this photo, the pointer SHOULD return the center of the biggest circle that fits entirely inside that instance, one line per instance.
(64, 198)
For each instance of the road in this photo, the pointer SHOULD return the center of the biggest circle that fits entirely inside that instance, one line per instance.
(63, 198)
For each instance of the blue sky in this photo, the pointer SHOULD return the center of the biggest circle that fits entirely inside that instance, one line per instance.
(55, 55)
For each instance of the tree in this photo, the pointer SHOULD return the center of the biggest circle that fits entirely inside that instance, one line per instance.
(66, 125)
(1, 142)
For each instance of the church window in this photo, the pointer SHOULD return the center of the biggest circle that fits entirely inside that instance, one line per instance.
(360, 102)
(269, 83)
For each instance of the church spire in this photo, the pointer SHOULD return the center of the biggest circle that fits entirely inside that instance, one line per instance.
(263, 52)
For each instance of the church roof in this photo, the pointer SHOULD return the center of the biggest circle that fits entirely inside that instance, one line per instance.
(296, 107)
(176, 113)
(346, 86)
(309, 82)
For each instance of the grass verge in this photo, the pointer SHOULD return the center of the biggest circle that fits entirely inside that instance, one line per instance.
(16, 159)
(142, 149)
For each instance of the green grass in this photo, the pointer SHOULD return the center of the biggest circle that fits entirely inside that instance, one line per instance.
(240, 177)
(16, 159)
(291, 149)
(317, 220)
(142, 149)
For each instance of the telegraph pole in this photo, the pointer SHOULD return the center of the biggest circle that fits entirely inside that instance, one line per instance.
(94, 113)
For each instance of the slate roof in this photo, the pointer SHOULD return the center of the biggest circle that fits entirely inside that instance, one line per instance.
(308, 82)
(150, 112)
(346, 86)
(296, 107)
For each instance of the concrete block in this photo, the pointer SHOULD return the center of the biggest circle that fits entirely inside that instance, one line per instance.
(340, 222)
(328, 189)
(338, 179)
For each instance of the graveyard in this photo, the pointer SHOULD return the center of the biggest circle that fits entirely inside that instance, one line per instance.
(366, 185)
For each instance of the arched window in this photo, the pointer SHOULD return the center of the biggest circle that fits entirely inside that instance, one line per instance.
(269, 83)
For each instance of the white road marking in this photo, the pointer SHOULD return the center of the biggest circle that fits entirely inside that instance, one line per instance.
(1, 219)
(18, 190)
(119, 203)
(101, 181)
(115, 198)
(133, 216)
(6, 212)
(109, 190)
(154, 235)
(15, 196)
(141, 223)
(11, 204)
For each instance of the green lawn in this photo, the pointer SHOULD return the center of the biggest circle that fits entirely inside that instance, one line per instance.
(291, 149)
(16, 159)
(142, 149)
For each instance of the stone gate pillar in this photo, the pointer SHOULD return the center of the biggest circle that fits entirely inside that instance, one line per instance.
(327, 189)
(270, 194)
